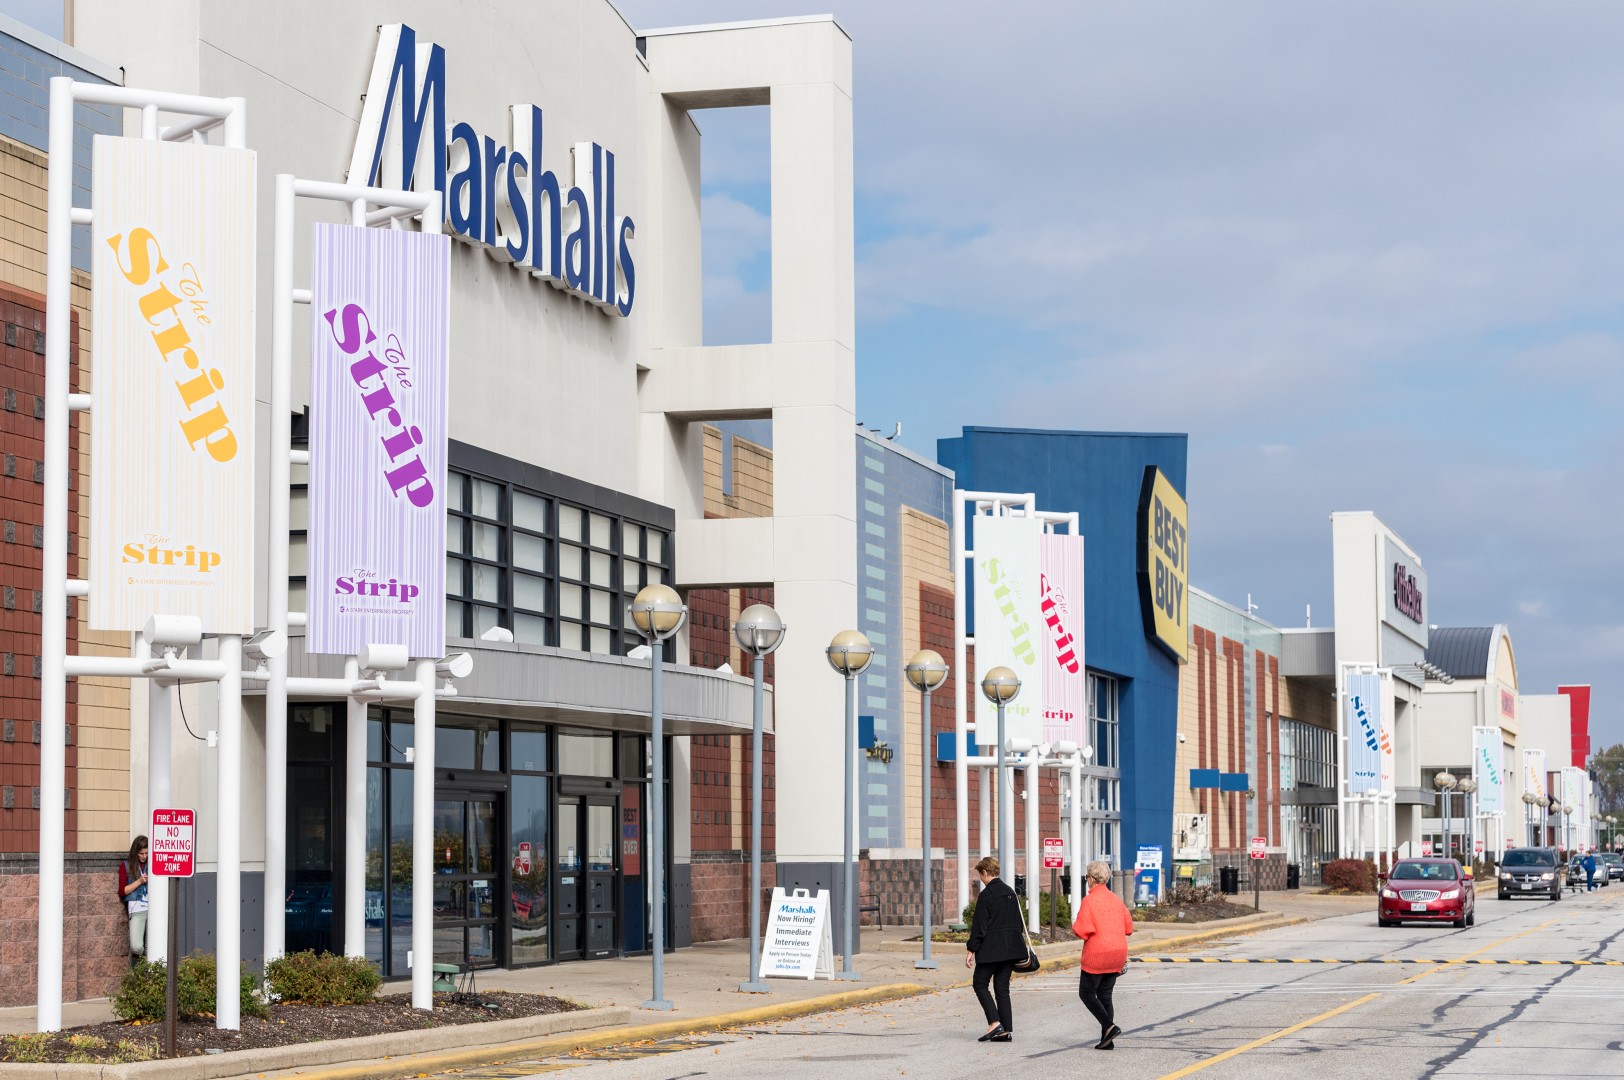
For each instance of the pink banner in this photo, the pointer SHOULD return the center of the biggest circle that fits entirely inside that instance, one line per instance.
(380, 341)
(1060, 604)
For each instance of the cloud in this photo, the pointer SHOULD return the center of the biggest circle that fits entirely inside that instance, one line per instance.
(1369, 257)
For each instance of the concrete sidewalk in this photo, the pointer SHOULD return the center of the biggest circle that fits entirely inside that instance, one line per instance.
(702, 981)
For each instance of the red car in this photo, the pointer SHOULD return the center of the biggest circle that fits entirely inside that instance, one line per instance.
(1427, 890)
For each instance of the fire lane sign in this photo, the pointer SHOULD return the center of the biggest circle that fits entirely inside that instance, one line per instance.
(171, 843)
(1054, 853)
(1259, 848)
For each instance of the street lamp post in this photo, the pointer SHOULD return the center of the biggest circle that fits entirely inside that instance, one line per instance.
(927, 671)
(999, 686)
(850, 654)
(658, 613)
(1468, 820)
(1529, 799)
(1445, 783)
(759, 631)
(1545, 804)
(1567, 835)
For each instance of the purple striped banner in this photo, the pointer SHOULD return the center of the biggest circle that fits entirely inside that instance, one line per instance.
(380, 342)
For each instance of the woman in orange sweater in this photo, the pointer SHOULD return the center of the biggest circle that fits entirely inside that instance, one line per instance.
(1104, 924)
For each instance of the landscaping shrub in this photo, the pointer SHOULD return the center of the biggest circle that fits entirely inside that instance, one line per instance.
(1350, 875)
(1063, 917)
(323, 979)
(1186, 894)
(141, 993)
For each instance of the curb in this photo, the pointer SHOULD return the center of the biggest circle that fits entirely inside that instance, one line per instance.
(616, 1036)
(295, 1059)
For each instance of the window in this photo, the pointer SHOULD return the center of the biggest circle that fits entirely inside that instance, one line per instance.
(552, 572)
(1102, 713)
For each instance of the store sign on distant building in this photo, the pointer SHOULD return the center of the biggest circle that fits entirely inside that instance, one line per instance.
(497, 191)
(1060, 605)
(1164, 563)
(1362, 702)
(380, 342)
(1405, 596)
(1008, 627)
(172, 337)
(1491, 786)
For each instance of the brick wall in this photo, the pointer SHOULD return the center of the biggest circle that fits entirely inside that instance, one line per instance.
(22, 452)
(95, 934)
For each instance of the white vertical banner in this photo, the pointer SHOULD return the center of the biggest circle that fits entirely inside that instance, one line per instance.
(1534, 772)
(1573, 794)
(1008, 625)
(1060, 603)
(172, 436)
(1491, 786)
(1362, 702)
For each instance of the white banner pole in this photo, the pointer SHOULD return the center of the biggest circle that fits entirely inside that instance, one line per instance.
(965, 687)
(423, 838)
(355, 817)
(54, 556)
(1034, 854)
(276, 562)
(158, 768)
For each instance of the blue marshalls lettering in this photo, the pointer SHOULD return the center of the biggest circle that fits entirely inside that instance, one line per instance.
(495, 194)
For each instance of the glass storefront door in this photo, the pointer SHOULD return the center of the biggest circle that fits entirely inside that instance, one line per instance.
(585, 887)
(467, 878)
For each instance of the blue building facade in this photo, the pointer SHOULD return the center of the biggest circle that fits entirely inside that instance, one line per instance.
(1134, 683)
(891, 482)
(29, 61)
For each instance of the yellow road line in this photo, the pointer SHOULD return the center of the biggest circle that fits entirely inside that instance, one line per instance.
(1339, 1010)
(1267, 1039)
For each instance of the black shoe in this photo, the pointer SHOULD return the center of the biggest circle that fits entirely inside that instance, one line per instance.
(997, 1030)
(1108, 1040)
(1002, 1036)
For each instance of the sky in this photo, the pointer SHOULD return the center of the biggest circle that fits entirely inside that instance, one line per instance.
(1367, 255)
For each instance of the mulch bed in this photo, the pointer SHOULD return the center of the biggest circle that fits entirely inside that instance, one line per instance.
(288, 1025)
(960, 937)
(1209, 911)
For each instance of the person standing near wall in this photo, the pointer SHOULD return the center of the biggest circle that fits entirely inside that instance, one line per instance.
(1103, 923)
(996, 943)
(132, 890)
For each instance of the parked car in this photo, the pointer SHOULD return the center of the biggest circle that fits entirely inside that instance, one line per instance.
(1530, 871)
(1614, 862)
(1576, 871)
(1427, 890)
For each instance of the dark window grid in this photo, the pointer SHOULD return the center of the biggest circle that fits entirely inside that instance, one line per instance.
(617, 625)
(650, 572)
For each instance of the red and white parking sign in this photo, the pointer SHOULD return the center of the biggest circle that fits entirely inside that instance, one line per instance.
(1426, 849)
(522, 863)
(171, 842)
(1477, 847)
(1054, 853)
(1260, 847)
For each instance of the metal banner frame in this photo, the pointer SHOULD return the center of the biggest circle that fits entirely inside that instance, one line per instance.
(1029, 757)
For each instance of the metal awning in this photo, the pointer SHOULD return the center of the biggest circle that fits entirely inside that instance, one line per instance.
(589, 690)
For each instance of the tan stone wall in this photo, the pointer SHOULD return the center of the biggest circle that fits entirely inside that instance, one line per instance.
(103, 715)
(752, 478)
(1308, 704)
(926, 559)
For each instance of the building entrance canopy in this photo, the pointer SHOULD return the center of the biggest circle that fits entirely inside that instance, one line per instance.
(559, 686)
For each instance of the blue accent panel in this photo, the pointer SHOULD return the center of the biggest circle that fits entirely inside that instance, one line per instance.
(865, 732)
(1099, 475)
(1234, 781)
(1204, 778)
(947, 748)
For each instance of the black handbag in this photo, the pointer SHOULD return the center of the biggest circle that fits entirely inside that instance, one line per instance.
(1031, 963)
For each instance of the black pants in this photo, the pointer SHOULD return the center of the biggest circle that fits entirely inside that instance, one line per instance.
(1095, 990)
(997, 972)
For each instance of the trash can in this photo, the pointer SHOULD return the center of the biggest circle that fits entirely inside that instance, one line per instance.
(1020, 885)
(1229, 880)
(1294, 876)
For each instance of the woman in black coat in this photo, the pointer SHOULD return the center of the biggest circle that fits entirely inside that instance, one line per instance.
(996, 944)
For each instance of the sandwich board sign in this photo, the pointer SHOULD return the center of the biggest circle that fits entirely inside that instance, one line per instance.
(798, 944)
